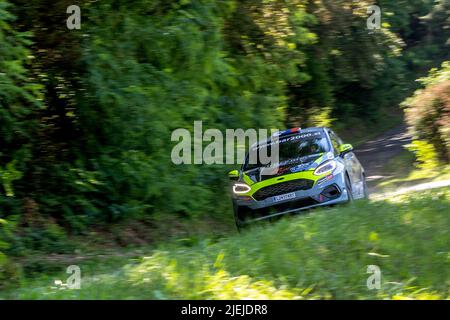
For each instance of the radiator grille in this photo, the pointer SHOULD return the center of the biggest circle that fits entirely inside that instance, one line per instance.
(282, 188)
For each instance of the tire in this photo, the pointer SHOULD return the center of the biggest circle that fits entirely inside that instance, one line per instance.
(348, 187)
(239, 225)
(240, 228)
(365, 189)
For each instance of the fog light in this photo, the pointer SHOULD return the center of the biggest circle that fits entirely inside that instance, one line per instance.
(331, 192)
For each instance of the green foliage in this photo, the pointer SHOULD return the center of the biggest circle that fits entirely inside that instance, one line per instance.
(19, 101)
(142, 88)
(437, 75)
(351, 70)
(428, 115)
(363, 75)
(7, 176)
(10, 273)
(3, 245)
(425, 153)
(19, 96)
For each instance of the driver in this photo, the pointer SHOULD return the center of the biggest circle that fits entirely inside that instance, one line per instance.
(314, 148)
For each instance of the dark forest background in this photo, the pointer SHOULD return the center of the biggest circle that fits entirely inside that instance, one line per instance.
(86, 115)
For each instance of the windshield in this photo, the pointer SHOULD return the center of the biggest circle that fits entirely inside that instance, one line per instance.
(292, 149)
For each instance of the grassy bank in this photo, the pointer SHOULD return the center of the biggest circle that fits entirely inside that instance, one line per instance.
(401, 172)
(320, 255)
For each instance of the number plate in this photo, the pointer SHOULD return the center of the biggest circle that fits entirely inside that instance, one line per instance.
(284, 197)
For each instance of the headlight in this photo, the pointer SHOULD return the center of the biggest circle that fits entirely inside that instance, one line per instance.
(328, 166)
(239, 188)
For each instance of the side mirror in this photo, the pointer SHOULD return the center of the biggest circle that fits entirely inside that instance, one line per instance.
(233, 175)
(344, 148)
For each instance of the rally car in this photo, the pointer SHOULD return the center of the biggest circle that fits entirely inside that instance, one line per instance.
(314, 168)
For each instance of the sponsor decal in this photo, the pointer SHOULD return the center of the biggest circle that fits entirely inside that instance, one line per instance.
(324, 179)
(300, 167)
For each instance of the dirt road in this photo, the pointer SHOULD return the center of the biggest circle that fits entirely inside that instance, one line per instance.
(375, 153)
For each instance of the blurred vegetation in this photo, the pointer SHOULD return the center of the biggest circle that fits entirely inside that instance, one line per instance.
(323, 255)
(428, 115)
(86, 115)
(403, 171)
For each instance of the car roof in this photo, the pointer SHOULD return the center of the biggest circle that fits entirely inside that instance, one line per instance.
(289, 132)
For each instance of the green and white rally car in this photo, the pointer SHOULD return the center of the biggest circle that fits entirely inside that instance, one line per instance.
(314, 168)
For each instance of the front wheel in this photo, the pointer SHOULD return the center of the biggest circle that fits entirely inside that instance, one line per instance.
(365, 188)
(240, 226)
(348, 187)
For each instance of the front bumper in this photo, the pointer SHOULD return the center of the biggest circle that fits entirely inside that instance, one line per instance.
(332, 191)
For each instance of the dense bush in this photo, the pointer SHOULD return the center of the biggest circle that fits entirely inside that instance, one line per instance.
(20, 99)
(428, 114)
(103, 149)
(3, 245)
(177, 71)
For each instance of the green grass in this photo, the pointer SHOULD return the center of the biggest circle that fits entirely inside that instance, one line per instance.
(401, 172)
(323, 254)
